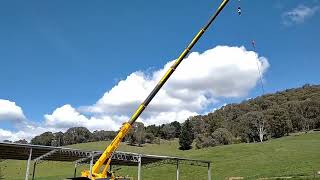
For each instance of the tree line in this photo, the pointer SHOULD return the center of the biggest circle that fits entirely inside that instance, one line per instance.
(138, 135)
(260, 119)
(254, 120)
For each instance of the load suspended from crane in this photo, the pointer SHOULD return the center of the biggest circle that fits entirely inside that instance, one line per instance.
(239, 8)
(107, 154)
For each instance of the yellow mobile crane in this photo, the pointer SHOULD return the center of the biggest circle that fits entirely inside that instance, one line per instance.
(107, 154)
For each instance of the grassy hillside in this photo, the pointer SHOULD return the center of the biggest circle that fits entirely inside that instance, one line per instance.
(296, 155)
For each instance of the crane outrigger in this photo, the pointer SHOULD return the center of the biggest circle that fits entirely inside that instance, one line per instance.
(107, 154)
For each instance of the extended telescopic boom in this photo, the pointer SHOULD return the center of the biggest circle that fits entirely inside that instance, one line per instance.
(126, 126)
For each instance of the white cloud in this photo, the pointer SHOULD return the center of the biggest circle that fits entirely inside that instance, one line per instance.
(299, 14)
(12, 113)
(5, 135)
(9, 111)
(198, 82)
(66, 116)
(202, 78)
(26, 132)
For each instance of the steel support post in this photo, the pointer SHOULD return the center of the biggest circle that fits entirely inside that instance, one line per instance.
(91, 163)
(28, 164)
(139, 168)
(209, 171)
(178, 169)
(75, 170)
(34, 169)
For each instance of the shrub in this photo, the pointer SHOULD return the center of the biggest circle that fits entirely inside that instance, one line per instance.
(222, 136)
(149, 138)
(203, 141)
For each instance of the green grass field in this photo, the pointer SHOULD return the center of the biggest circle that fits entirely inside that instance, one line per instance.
(292, 156)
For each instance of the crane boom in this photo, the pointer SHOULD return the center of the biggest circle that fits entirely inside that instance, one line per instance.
(126, 126)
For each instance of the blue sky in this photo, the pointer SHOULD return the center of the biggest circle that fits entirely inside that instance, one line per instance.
(54, 53)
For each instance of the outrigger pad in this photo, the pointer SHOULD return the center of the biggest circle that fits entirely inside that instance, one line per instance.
(85, 178)
(80, 178)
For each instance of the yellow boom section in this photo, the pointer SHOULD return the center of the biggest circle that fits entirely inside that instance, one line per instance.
(111, 148)
(126, 126)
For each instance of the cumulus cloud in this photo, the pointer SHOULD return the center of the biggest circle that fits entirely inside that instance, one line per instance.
(9, 111)
(12, 113)
(26, 132)
(4, 134)
(196, 85)
(64, 117)
(299, 14)
(202, 78)
(67, 116)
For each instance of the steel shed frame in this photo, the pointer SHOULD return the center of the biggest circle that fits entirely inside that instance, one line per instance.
(38, 154)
